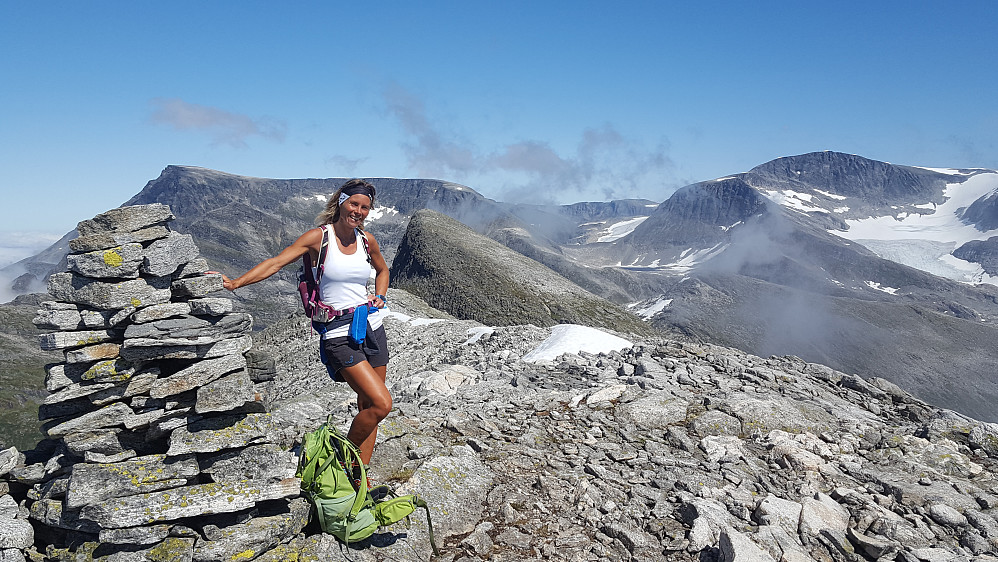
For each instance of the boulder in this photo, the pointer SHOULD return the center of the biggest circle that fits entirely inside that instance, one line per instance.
(126, 219)
(165, 255)
(109, 295)
(119, 262)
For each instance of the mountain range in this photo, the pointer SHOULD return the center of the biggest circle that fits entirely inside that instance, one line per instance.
(865, 266)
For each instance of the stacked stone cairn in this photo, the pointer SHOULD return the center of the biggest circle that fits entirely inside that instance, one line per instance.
(159, 445)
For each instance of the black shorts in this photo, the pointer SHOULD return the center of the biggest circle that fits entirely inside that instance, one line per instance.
(341, 352)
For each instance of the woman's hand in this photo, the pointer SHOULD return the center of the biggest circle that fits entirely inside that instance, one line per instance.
(226, 282)
(376, 301)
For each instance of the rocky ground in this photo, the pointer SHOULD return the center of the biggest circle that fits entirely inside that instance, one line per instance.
(664, 450)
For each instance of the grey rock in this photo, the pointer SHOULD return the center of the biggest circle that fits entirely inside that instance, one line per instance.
(126, 219)
(16, 533)
(256, 536)
(655, 410)
(736, 547)
(196, 375)
(94, 483)
(196, 266)
(65, 317)
(985, 436)
(821, 514)
(103, 240)
(226, 393)
(165, 255)
(92, 353)
(9, 458)
(874, 547)
(108, 416)
(161, 311)
(187, 501)
(251, 463)
(119, 262)
(946, 515)
(96, 319)
(135, 535)
(51, 514)
(196, 329)
(210, 306)
(11, 555)
(260, 365)
(153, 349)
(715, 422)
(74, 391)
(773, 510)
(453, 486)
(66, 340)
(112, 370)
(107, 295)
(198, 286)
(479, 540)
(215, 434)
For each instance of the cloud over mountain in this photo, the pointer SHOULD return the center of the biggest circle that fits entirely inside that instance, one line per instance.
(224, 127)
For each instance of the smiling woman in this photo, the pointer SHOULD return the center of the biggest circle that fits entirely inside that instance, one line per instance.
(347, 254)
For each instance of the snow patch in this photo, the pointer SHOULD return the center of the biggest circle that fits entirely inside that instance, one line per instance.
(621, 229)
(840, 209)
(651, 310)
(835, 196)
(727, 228)
(793, 200)
(378, 212)
(573, 338)
(475, 334)
(402, 317)
(878, 287)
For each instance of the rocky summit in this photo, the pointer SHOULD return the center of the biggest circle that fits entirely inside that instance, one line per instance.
(528, 442)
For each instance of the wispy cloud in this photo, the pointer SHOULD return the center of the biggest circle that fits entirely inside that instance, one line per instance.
(224, 127)
(15, 245)
(604, 165)
(344, 166)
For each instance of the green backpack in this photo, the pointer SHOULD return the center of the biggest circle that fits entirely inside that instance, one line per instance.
(349, 514)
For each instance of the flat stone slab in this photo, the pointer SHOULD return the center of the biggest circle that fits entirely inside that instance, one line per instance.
(111, 370)
(165, 255)
(126, 219)
(187, 501)
(109, 416)
(226, 393)
(199, 286)
(135, 535)
(65, 340)
(119, 262)
(150, 349)
(192, 327)
(256, 462)
(65, 317)
(106, 240)
(92, 353)
(108, 295)
(74, 391)
(224, 432)
(210, 306)
(197, 375)
(161, 312)
(247, 540)
(93, 483)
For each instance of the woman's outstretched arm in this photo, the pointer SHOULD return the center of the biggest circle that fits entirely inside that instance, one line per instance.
(306, 242)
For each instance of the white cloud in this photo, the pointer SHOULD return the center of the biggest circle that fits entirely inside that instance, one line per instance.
(224, 127)
(604, 165)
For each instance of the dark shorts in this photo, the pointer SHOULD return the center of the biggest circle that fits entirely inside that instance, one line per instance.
(341, 352)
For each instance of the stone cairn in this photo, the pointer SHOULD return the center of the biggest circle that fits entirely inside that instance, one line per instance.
(159, 445)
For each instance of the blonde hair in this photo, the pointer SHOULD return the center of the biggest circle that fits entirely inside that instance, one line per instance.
(331, 213)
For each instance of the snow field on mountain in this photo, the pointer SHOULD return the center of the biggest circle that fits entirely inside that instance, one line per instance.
(926, 241)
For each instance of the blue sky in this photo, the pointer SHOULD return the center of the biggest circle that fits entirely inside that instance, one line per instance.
(534, 101)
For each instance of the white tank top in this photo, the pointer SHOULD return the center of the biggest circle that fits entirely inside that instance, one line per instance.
(344, 281)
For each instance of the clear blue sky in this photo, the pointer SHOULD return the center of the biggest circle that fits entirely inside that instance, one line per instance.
(559, 101)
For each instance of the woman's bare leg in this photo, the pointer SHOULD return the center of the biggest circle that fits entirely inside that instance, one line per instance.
(373, 401)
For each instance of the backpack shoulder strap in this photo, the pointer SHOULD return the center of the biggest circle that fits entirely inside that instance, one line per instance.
(367, 245)
(323, 247)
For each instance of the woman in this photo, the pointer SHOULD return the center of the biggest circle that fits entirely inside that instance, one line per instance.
(344, 286)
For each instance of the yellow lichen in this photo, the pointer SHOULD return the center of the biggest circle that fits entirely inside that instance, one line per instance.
(113, 258)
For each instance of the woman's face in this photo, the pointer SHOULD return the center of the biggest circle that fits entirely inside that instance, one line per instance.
(354, 210)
